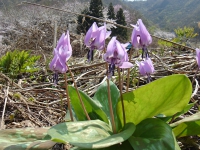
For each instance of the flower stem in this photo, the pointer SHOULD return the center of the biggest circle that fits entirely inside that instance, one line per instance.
(68, 100)
(81, 101)
(110, 104)
(128, 76)
(121, 96)
(128, 80)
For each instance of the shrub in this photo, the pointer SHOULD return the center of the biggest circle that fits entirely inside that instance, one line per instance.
(17, 62)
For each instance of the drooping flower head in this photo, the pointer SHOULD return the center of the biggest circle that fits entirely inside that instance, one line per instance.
(116, 55)
(91, 34)
(198, 56)
(140, 37)
(95, 38)
(58, 63)
(62, 53)
(146, 67)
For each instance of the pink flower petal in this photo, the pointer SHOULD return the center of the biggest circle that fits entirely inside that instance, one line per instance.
(140, 36)
(126, 65)
(198, 56)
(62, 53)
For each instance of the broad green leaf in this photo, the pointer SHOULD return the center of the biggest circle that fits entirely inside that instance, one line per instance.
(153, 134)
(185, 110)
(101, 96)
(25, 139)
(187, 129)
(168, 119)
(167, 96)
(92, 107)
(89, 134)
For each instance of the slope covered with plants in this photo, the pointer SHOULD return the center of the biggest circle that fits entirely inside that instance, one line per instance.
(169, 14)
(103, 94)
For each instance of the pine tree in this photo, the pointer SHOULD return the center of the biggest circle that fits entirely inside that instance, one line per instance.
(83, 22)
(119, 31)
(111, 15)
(111, 12)
(96, 10)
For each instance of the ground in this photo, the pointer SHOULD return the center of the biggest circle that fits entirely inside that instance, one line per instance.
(34, 101)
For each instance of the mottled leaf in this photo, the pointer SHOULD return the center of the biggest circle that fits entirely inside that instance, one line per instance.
(25, 139)
(122, 146)
(89, 134)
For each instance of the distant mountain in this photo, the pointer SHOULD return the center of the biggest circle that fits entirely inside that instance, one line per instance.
(137, 15)
(169, 14)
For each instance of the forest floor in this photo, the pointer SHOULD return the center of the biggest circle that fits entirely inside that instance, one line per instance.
(34, 101)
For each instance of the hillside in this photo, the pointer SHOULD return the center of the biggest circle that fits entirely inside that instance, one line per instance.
(12, 5)
(9, 3)
(166, 14)
(169, 14)
(18, 20)
(53, 98)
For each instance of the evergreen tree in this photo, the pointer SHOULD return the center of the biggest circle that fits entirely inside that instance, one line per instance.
(111, 15)
(96, 10)
(83, 22)
(119, 31)
(111, 12)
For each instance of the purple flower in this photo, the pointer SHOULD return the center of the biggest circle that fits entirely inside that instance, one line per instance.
(116, 55)
(95, 38)
(58, 63)
(140, 36)
(103, 34)
(146, 67)
(64, 47)
(62, 53)
(198, 56)
(91, 34)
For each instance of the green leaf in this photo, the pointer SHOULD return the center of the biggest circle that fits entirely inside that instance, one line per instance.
(187, 129)
(23, 63)
(93, 108)
(194, 117)
(153, 134)
(188, 126)
(186, 109)
(122, 146)
(89, 134)
(101, 96)
(168, 119)
(167, 96)
(25, 139)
